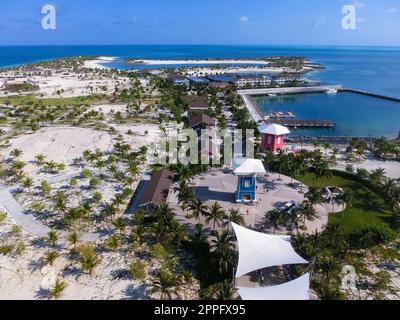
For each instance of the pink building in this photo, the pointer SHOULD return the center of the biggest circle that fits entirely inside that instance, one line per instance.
(273, 136)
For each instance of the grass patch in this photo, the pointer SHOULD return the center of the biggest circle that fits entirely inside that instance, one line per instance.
(368, 207)
(32, 100)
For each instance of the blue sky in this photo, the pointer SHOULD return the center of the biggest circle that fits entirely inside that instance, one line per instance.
(283, 22)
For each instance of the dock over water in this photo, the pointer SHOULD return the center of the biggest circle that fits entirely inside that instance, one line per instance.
(292, 123)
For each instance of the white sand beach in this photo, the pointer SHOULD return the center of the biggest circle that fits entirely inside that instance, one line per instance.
(98, 64)
(199, 62)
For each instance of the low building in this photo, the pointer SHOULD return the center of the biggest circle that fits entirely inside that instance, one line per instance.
(201, 121)
(245, 81)
(198, 81)
(221, 78)
(178, 80)
(157, 191)
(197, 104)
(273, 136)
(247, 171)
(219, 85)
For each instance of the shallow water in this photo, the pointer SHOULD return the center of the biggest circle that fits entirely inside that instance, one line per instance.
(354, 114)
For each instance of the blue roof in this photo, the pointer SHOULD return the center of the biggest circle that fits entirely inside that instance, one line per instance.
(221, 78)
(199, 79)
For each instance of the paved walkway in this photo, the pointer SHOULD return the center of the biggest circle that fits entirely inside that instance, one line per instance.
(272, 190)
(17, 213)
(28, 223)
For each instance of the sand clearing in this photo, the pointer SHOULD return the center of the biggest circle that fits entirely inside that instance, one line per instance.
(61, 144)
(98, 64)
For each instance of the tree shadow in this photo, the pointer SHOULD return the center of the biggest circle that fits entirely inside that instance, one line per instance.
(132, 292)
(42, 294)
(205, 194)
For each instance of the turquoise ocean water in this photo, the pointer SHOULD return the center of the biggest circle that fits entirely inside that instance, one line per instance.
(375, 69)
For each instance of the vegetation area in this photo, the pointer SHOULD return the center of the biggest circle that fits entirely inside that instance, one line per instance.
(366, 208)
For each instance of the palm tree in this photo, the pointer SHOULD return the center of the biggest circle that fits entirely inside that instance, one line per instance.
(88, 258)
(167, 284)
(52, 237)
(216, 214)
(165, 214)
(198, 208)
(73, 238)
(314, 196)
(274, 218)
(389, 184)
(234, 216)
(224, 291)
(16, 153)
(58, 288)
(377, 176)
(40, 159)
(222, 247)
(60, 202)
(185, 195)
(199, 236)
(346, 198)
(119, 224)
(308, 211)
(27, 184)
(176, 232)
(51, 256)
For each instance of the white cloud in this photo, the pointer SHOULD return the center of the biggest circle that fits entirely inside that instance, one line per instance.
(393, 10)
(358, 4)
(320, 21)
(244, 20)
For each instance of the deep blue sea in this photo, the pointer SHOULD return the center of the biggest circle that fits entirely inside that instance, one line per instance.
(375, 69)
(369, 68)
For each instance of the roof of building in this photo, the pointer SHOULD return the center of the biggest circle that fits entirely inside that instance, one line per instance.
(158, 188)
(220, 84)
(274, 129)
(199, 80)
(197, 102)
(244, 167)
(221, 78)
(201, 118)
(174, 77)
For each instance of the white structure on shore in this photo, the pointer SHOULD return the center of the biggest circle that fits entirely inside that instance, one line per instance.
(259, 251)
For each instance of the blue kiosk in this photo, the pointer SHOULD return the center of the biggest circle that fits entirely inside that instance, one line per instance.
(247, 171)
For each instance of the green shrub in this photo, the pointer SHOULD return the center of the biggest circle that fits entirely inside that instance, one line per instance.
(3, 216)
(158, 250)
(373, 235)
(6, 249)
(137, 270)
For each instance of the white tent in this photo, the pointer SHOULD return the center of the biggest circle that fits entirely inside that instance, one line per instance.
(274, 129)
(259, 250)
(244, 167)
(298, 289)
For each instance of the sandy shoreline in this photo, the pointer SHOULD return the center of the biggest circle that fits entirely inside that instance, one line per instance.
(99, 63)
(199, 62)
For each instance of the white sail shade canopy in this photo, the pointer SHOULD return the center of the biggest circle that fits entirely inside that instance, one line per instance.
(298, 289)
(259, 250)
(244, 167)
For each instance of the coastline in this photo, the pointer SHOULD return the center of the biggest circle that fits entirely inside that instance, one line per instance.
(99, 63)
(197, 62)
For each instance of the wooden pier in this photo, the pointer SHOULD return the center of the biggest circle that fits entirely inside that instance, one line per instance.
(335, 140)
(292, 123)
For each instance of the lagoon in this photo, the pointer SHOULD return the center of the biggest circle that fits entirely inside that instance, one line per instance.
(355, 114)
